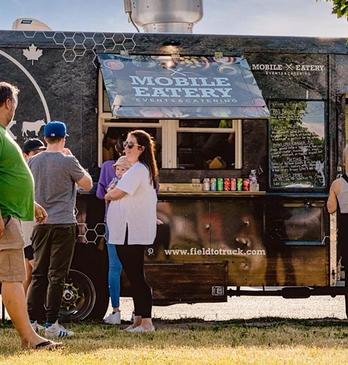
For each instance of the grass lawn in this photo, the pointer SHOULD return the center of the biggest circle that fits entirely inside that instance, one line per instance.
(267, 341)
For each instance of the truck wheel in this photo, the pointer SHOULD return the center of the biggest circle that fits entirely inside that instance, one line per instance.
(101, 301)
(79, 297)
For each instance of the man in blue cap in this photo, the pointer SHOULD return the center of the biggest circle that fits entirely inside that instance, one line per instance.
(56, 173)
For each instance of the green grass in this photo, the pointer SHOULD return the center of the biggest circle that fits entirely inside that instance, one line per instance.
(269, 341)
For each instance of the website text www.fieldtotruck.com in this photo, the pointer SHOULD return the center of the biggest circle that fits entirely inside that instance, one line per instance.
(214, 252)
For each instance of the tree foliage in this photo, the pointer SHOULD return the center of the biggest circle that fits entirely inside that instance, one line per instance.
(340, 8)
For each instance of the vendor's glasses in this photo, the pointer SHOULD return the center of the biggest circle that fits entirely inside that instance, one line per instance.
(130, 145)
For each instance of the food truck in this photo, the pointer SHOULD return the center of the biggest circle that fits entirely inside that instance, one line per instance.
(249, 133)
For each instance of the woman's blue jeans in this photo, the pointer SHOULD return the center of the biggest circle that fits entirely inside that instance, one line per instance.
(115, 268)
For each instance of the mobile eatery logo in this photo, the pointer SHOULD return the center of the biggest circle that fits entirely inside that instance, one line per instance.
(181, 87)
(287, 69)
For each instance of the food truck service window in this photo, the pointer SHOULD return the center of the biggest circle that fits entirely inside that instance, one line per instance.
(208, 144)
(297, 144)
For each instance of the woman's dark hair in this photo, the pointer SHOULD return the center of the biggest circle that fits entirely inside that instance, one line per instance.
(148, 156)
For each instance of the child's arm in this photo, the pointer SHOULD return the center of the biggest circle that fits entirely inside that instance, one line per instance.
(115, 194)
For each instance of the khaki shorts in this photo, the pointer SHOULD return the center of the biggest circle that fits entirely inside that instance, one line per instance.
(12, 266)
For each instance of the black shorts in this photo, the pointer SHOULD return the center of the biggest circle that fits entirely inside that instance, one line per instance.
(29, 253)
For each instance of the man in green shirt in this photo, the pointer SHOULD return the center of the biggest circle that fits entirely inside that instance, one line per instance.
(16, 204)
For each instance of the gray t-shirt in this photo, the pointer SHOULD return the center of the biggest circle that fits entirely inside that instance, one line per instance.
(55, 175)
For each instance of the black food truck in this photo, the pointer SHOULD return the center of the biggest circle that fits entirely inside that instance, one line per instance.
(218, 107)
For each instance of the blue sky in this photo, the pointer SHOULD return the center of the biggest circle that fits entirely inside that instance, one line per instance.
(242, 17)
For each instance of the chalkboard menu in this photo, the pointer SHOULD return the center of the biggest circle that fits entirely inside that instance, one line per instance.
(297, 144)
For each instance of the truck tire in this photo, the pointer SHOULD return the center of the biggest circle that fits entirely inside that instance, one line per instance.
(79, 297)
(101, 302)
(93, 262)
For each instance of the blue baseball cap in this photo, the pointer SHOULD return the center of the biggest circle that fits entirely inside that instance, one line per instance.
(55, 129)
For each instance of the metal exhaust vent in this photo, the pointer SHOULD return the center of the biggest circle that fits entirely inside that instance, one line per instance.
(164, 16)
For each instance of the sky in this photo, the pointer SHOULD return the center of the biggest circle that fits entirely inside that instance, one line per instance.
(237, 17)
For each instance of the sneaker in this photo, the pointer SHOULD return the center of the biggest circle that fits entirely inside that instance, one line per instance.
(141, 329)
(113, 318)
(130, 328)
(56, 330)
(37, 327)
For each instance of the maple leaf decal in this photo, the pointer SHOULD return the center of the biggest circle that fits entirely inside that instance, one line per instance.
(32, 53)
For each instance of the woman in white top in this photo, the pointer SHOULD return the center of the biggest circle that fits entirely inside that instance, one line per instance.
(131, 220)
(338, 201)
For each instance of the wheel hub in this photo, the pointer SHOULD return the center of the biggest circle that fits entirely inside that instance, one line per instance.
(70, 295)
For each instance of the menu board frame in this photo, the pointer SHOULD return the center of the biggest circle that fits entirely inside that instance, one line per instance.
(299, 188)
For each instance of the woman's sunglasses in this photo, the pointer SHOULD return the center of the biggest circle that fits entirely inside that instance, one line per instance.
(130, 145)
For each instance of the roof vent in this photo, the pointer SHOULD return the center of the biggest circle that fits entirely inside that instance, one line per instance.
(164, 16)
(29, 24)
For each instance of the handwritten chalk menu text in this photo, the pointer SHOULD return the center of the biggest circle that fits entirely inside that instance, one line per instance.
(297, 144)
